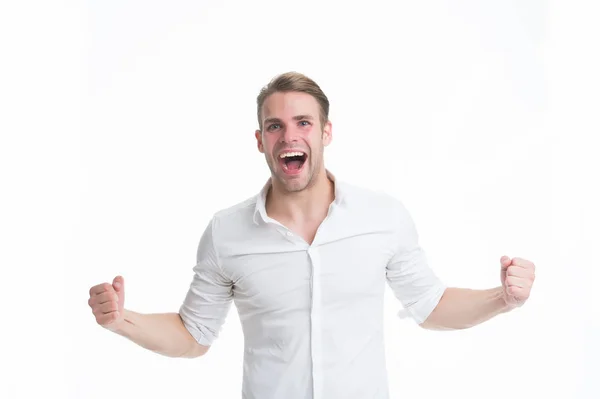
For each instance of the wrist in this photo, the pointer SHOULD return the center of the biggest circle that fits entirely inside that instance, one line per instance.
(122, 324)
(504, 302)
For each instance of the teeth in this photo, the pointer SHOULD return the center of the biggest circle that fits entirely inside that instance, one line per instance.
(291, 154)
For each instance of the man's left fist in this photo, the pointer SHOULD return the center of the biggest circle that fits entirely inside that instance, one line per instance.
(517, 277)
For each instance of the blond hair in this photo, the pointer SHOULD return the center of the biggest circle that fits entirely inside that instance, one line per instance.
(294, 81)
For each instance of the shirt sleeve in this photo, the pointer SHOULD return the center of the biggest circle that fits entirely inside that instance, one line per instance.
(210, 294)
(408, 273)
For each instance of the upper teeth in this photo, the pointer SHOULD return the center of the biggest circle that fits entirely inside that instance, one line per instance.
(291, 154)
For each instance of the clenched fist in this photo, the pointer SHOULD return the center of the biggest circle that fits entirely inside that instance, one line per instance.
(517, 277)
(107, 302)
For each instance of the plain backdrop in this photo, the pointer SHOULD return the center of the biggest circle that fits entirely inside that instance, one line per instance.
(126, 124)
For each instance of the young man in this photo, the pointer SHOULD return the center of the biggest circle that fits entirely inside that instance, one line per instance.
(306, 262)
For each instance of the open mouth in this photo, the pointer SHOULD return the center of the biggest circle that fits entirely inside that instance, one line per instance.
(292, 162)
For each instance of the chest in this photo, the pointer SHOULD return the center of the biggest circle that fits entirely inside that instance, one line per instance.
(306, 231)
(342, 270)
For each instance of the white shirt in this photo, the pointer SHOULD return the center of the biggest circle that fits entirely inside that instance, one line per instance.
(312, 315)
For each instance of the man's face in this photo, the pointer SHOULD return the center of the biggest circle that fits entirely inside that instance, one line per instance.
(293, 139)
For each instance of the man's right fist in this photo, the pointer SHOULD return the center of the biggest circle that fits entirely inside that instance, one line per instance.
(107, 302)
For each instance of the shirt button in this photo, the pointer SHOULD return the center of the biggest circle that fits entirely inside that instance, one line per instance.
(289, 234)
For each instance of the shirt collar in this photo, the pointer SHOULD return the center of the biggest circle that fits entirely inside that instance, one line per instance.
(261, 197)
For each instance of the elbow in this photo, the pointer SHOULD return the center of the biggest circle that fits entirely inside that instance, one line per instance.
(201, 350)
(429, 325)
(435, 323)
(438, 327)
(425, 325)
(196, 350)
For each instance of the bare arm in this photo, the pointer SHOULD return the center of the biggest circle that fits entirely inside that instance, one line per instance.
(163, 333)
(461, 308)
(187, 333)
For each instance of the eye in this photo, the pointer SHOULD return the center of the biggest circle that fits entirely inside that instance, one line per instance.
(273, 126)
(304, 123)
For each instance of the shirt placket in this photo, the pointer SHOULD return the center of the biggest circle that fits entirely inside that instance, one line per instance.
(315, 325)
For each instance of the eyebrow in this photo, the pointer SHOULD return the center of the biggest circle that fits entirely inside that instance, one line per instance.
(300, 117)
(296, 118)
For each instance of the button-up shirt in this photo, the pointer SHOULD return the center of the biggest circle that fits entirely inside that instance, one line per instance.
(311, 314)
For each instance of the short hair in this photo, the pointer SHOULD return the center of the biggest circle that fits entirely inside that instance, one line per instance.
(290, 82)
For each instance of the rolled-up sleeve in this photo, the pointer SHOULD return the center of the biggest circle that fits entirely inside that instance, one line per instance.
(209, 297)
(408, 273)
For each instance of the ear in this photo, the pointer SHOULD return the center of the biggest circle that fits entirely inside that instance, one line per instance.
(327, 131)
(259, 143)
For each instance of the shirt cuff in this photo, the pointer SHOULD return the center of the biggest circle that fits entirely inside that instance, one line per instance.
(420, 310)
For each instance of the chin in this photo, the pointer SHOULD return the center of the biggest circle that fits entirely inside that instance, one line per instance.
(294, 184)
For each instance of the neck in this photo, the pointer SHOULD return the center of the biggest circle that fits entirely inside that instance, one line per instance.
(308, 205)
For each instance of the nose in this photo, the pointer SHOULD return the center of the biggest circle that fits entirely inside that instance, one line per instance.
(289, 135)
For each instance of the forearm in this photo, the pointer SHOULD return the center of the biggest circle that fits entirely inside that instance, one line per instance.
(461, 308)
(163, 333)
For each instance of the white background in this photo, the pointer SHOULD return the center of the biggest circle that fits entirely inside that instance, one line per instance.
(126, 124)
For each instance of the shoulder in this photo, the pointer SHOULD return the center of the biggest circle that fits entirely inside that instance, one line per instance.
(227, 225)
(377, 207)
(235, 215)
(373, 199)
(236, 209)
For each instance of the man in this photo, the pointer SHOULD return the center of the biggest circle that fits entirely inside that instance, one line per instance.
(306, 261)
